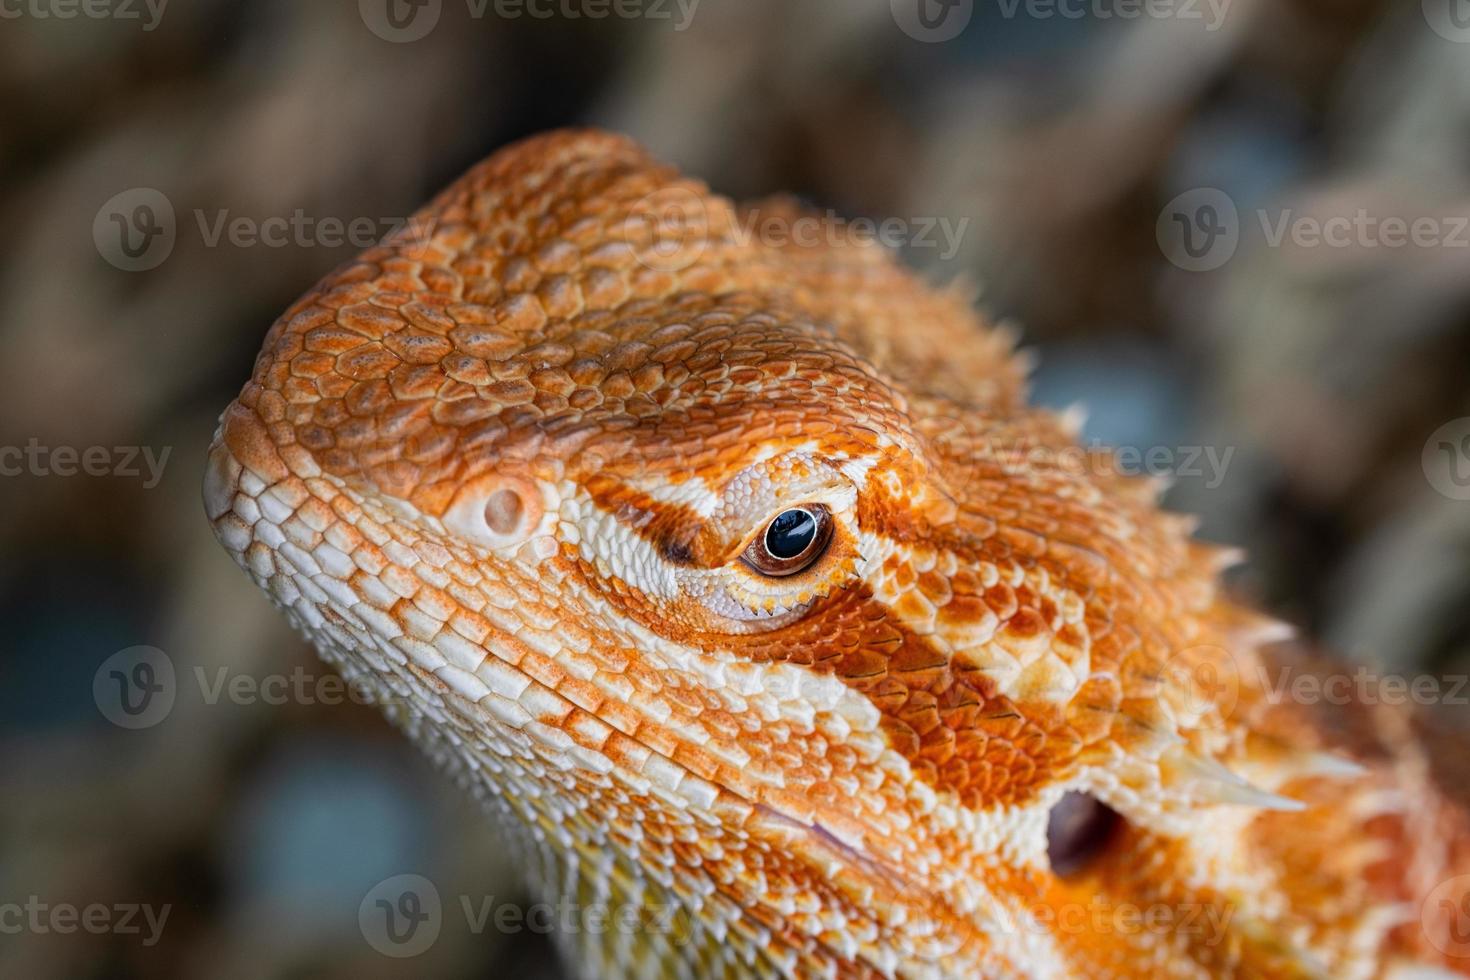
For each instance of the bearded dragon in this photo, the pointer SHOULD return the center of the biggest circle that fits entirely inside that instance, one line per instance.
(741, 582)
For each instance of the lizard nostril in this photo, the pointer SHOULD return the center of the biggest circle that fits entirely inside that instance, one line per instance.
(1078, 828)
(504, 510)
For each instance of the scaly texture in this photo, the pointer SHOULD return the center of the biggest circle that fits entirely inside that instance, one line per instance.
(502, 469)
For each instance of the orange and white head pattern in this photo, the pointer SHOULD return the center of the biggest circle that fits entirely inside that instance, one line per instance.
(739, 579)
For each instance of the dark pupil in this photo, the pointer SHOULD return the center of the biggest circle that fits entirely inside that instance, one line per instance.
(790, 533)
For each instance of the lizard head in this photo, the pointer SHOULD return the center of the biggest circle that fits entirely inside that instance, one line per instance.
(738, 576)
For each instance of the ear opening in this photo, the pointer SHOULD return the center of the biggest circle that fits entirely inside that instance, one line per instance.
(1078, 830)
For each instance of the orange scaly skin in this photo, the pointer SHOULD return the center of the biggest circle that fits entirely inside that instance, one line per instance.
(503, 466)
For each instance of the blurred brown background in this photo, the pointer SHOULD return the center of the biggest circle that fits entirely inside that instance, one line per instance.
(1060, 136)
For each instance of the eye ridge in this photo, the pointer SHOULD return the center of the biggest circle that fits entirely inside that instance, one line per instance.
(791, 542)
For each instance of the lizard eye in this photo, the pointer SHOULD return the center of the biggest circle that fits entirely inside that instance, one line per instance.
(794, 539)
